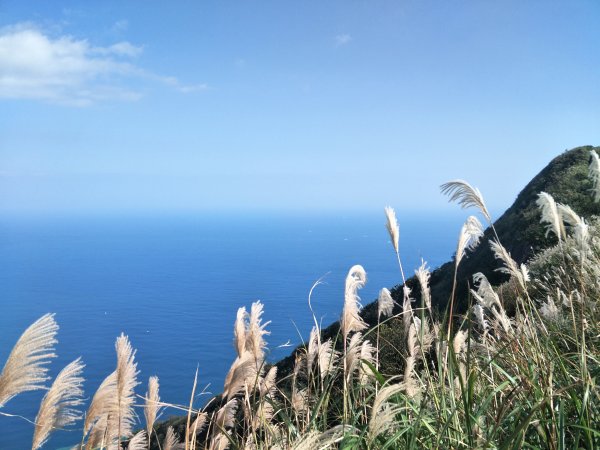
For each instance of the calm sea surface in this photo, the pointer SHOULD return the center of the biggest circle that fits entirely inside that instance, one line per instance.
(173, 285)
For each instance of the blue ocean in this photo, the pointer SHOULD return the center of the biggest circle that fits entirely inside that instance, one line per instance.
(173, 284)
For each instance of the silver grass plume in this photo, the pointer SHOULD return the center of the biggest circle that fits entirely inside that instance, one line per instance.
(352, 355)
(487, 298)
(255, 342)
(308, 441)
(392, 226)
(299, 402)
(268, 383)
(510, 266)
(220, 441)
(57, 409)
(550, 215)
(366, 356)
(407, 312)
(549, 311)
(126, 382)
(314, 440)
(138, 442)
(312, 350)
(171, 441)
(243, 373)
(411, 384)
(458, 343)
(485, 294)
(594, 174)
(568, 216)
(299, 364)
(239, 331)
(351, 320)
(385, 303)
(466, 196)
(423, 275)
(198, 424)
(103, 402)
(383, 412)
(151, 406)
(470, 235)
(582, 237)
(97, 436)
(327, 358)
(264, 413)
(480, 316)
(24, 370)
(578, 226)
(424, 334)
(224, 419)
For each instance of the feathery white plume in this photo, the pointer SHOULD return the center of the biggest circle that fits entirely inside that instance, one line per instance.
(352, 355)
(411, 384)
(126, 382)
(239, 331)
(24, 370)
(243, 373)
(568, 216)
(458, 343)
(510, 266)
(351, 319)
(255, 342)
(485, 294)
(392, 226)
(480, 315)
(327, 358)
(549, 310)
(198, 424)
(470, 234)
(407, 312)
(300, 402)
(550, 215)
(423, 276)
(268, 384)
(466, 196)
(594, 174)
(138, 442)
(171, 441)
(385, 303)
(581, 232)
(312, 350)
(103, 402)
(384, 412)
(224, 419)
(366, 356)
(57, 407)
(151, 406)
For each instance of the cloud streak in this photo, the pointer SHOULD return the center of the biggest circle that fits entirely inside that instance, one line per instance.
(342, 39)
(69, 71)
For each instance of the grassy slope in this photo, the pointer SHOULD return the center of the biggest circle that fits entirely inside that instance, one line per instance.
(565, 178)
(519, 229)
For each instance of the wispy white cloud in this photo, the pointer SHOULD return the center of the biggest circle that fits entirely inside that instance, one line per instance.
(120, 25)
(342, 39)
(123, 48)
(179, 86)
(66, 70)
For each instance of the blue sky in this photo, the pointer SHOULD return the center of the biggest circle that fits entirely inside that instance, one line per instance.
(288, 106)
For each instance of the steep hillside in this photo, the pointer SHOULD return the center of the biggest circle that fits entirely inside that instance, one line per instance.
(519, 229)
